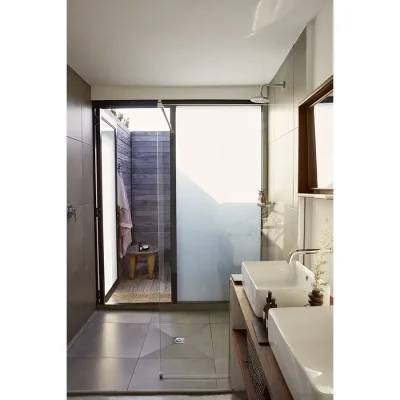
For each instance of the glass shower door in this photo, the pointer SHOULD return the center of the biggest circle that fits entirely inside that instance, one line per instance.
(106, 205)
(218, 174)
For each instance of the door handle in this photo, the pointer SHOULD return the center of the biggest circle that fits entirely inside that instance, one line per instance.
(71, 212)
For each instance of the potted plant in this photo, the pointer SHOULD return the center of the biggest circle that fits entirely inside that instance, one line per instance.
(324, 242)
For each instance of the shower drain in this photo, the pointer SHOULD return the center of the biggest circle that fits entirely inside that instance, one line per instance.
(179, 340)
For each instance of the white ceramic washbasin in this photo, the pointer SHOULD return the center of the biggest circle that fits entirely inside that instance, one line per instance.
(289, 284)
(301, 339)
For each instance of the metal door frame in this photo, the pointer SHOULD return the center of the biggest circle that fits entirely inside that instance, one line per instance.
(112, 104)
(171, 104)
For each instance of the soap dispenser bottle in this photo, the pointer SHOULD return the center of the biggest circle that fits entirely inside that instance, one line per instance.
(266, 308)
(273, 303)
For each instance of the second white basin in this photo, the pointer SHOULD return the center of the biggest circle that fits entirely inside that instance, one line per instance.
(301, 339)
(289, 284)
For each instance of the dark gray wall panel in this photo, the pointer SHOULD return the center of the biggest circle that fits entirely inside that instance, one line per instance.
(81, 267)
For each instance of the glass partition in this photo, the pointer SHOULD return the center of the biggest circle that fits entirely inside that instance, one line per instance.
(218, 175)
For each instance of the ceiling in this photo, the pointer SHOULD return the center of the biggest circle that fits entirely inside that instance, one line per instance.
(179, 42)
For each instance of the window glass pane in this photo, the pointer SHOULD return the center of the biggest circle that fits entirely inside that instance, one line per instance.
(323, 125)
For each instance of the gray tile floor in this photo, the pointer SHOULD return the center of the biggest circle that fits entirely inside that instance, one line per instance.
(126, 351)
(235, 396)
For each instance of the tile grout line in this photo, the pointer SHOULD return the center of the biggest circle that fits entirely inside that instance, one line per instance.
(103, 357)
(204, 324)
(212, 343)
(282, 135)
(171, 344)
(125, 358)
(122, 322)
(137, 360)
(151, 313)
(72, 343)
(93, 322)
(207, 357)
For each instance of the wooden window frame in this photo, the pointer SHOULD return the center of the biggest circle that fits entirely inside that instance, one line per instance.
(307, 164)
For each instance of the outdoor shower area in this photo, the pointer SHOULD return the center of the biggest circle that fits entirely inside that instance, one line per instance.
(143, 169)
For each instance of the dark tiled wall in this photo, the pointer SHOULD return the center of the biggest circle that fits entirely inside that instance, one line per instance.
(124, 159)
(151, 188)
(81, 275)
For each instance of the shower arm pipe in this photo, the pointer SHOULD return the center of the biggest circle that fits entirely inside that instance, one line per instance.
(160, 105)
(273, 85)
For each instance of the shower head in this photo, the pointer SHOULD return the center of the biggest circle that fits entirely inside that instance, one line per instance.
(261, 99)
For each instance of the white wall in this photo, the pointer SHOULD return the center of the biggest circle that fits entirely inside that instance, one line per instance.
(173, 93)
(320, 47)
(319, 69)
(307, 65)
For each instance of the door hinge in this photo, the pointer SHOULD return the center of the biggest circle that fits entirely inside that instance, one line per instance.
(96, 120)
(99, 295)
(97, 212)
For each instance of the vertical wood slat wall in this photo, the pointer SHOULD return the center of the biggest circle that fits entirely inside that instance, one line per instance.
(150, 155)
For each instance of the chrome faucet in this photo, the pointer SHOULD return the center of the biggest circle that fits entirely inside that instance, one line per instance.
(306, 251)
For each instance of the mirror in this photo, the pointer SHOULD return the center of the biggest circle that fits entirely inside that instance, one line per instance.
(315, 168)
(322, 133)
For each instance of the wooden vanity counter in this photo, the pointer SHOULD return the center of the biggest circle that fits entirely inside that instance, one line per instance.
(276, 385)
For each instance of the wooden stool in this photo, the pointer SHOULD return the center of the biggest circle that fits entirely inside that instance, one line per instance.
(133, 253)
